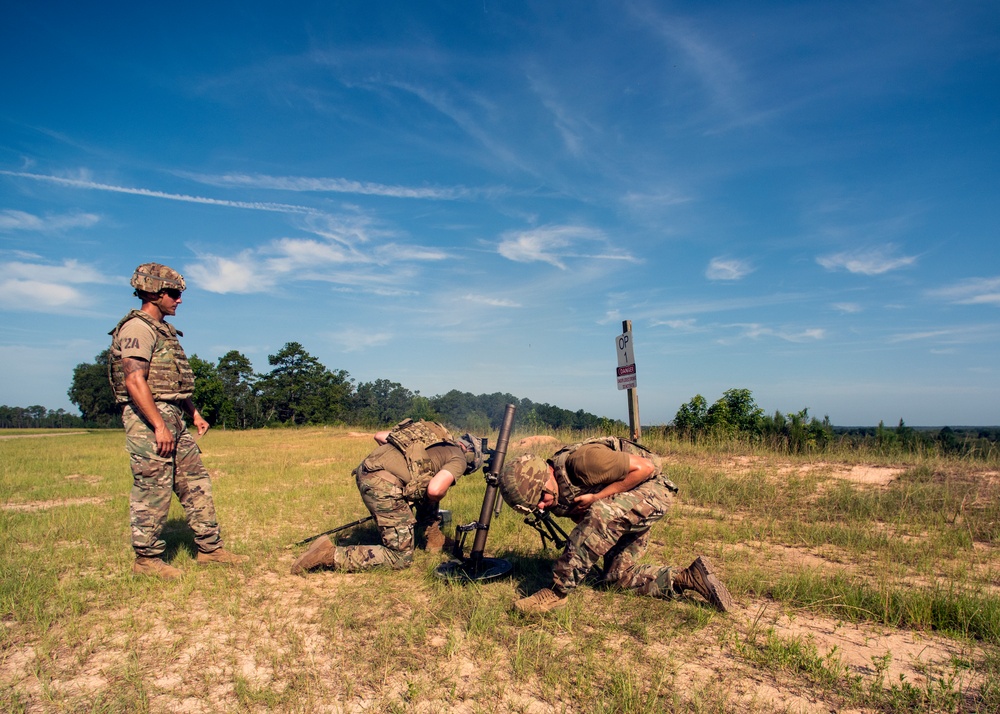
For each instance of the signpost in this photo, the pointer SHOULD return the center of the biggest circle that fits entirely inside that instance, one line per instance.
(626, 376)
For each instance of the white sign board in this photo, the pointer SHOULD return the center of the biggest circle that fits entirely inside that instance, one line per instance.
(626, 361)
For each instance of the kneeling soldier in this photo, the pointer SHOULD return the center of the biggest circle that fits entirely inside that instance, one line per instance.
(614, 497)
(414, 466)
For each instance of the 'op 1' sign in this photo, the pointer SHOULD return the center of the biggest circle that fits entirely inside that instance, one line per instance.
(626, 361)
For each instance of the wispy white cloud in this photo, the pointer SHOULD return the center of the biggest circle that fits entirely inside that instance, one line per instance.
(151, 193)
(44, 287)
(356, 340)
(688, 325)
(70, 271)
(848, 308)
(871, 261)
(491, 301)
(681, 309)
(240, 274)
(292, 254)
(972, 291)
(641, 201)
(412, 253)
(12, 220)
(286, 261)
(462, 111)
(537, 245)
(754, 331)
(36, 296)
(614, 315)
(924, 335)
(727, 269)
(717, 72)
(567, 123)
(553, 245)
(964, 334)
(330, 185)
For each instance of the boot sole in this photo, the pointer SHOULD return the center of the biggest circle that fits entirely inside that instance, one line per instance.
(709, 586)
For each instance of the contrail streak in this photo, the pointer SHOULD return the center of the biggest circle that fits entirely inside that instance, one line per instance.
(250, 205)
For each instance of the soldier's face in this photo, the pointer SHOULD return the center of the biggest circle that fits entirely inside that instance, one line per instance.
(169, 300)
(549, 492)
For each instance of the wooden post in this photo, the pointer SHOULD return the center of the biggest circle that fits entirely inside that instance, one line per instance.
(635, 428)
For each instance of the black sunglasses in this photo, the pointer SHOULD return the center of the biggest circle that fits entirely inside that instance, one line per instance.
(172, 293)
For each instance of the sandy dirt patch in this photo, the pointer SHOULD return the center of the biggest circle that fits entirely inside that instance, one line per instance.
(869, 474)
(531, 442)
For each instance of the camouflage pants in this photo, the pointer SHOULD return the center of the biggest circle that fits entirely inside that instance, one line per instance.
(154, 477)
(617, 529)
(383, 496)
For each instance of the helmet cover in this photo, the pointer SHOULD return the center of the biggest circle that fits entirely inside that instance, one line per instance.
(154, 277)
(521, 482)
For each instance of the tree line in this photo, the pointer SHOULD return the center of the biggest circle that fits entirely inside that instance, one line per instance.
(736, 415)
(38, 417)
(298, 390)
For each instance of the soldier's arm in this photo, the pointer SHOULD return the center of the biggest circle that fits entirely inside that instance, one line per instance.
(640, 470)
(439, 484)
(136, 372)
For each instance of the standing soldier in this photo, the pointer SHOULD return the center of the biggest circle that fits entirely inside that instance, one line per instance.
(413, 467)
(614, 496)
(153, 382)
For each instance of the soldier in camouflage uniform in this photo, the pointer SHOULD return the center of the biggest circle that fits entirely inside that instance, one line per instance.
(153, 383)
(393, 481)
(614, 497)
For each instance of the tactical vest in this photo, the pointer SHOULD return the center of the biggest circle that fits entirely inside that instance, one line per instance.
(170, 377)
(413, 438)
(568, 491)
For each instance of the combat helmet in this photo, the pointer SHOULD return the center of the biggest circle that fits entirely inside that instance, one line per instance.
(473, 452)
(154, 277)
(521, 482)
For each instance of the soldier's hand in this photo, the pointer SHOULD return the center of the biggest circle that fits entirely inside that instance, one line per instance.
(583, 501)
(165, 442)
(200, 424)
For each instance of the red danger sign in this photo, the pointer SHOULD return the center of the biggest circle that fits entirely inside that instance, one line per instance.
(626, 377)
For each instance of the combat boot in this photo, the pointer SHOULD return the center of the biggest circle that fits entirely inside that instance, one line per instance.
(542, 601)
(220, 555)
(700, 577)
(155, 567)
(321, 552)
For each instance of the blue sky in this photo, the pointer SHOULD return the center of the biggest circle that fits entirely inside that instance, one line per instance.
(800, 199)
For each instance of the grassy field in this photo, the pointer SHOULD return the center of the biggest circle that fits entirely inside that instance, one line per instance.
(864, 584)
